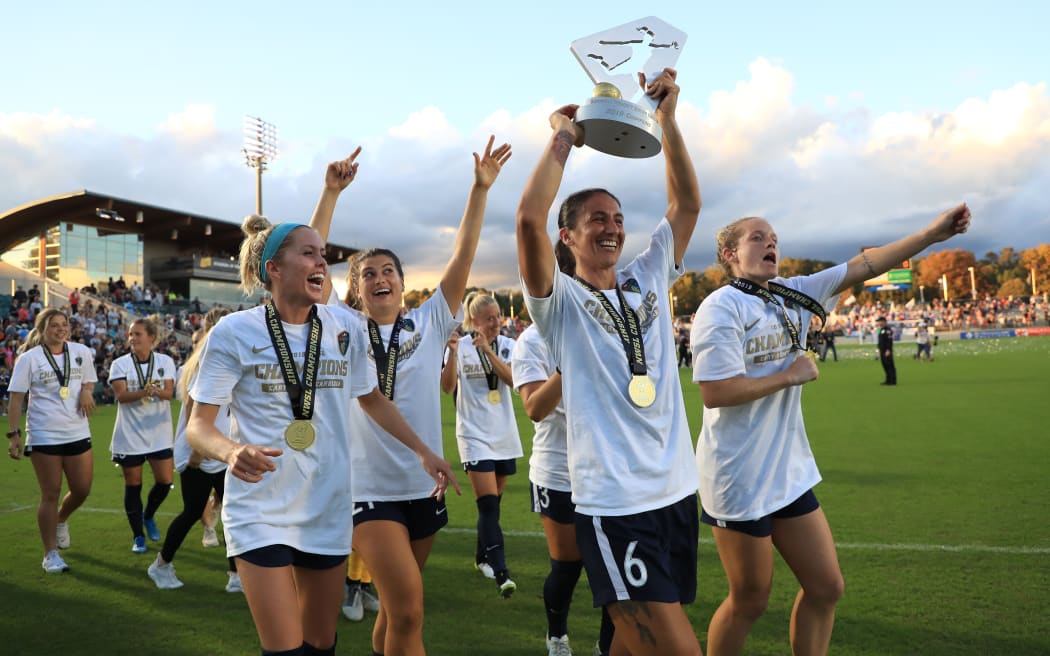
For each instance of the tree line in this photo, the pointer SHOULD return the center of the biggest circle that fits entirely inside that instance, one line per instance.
(1006, 273)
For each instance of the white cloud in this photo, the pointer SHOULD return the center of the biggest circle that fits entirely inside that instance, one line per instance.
(829, 178)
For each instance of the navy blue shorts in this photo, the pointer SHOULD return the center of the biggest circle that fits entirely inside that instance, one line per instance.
(555, 504)
(507, 467)
(139, 459)
(763, 526)
(281, 555)
(67, 449)
(649, 556)
(422, 517)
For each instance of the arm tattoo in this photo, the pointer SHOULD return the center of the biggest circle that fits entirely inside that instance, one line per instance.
(867, 263)
(636, 613)
(561, 144)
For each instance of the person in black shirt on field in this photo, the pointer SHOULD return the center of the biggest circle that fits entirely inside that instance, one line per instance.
(885, 340)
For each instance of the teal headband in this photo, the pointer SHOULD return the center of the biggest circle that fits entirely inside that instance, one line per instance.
(273, 242)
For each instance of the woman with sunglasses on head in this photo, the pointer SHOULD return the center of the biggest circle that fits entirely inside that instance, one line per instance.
(610, 330)
(59, 377)
(143, 383)
(757, 471)
(395, 519)
(288, 371)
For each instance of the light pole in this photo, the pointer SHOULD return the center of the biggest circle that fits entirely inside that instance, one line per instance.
(944, 286)
(922, 295)
(260, 147)
(973, 284)
(1034, 292)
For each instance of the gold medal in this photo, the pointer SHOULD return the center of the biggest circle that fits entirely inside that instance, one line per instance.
(63, 392)
(300, 434)
(494, 397)
(642, 391)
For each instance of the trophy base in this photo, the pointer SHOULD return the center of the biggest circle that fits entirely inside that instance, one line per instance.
(619, 127)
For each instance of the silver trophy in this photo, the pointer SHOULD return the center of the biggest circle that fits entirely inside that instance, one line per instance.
(612, 121)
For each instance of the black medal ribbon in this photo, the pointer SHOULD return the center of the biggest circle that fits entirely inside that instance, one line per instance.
(491, 377)
(300, 393)
(770, 296)
(143, 380)
(627, 327)
(63, 375)
(386, 359)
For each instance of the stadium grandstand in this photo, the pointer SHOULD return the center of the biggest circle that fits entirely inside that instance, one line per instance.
(83, 240)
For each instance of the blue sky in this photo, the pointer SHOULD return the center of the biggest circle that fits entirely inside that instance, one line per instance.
(844, 124)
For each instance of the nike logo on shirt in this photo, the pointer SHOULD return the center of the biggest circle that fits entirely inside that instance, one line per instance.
(751, 325)
(260, 349)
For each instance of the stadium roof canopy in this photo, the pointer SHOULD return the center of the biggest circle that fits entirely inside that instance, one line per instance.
(110, 214)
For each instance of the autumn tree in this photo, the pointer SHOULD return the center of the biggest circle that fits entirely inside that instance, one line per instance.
(1037, 258)
(952, 263)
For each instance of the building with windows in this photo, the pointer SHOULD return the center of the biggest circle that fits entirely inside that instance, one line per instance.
(84, 238)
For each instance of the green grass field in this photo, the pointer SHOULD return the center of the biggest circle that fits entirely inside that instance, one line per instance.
(938, 492)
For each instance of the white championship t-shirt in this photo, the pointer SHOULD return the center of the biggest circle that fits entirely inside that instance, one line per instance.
(622, 459)
(484, 430)
(142, 427)
(384, 468)
(306, 503)
(754, 458)
(52, 419)
(183, 450)
(549, 462)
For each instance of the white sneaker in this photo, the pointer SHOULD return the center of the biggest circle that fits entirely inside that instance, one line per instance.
(353, 605)
(486, 570)
(62, 535)
(164, 575)
(507, 588)
(234, 584)
(211, 538)
(558, 646)
(369, 599)
(53, 563)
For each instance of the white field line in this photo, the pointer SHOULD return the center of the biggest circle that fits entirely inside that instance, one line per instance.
(841, 546)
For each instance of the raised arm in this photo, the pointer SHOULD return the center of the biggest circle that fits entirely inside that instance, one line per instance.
(683, 190)
(486, 170)
(535, 255)
(337, 177)
(876, 261)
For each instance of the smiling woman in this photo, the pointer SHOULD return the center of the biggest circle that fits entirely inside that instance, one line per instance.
(757, 472)
(58, 377)
(288, 370)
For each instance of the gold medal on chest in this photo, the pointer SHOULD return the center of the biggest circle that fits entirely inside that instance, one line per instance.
(300, 434)
(642, 391)
(494, 397)
(63, 392)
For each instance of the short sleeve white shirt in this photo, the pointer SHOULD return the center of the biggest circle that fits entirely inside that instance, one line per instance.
(484, 430)
(754, 458)
(183, 450)
(623, 459)
(306, 503)
(50, 418)
(549, 463)
(142, 427)
(384, 468)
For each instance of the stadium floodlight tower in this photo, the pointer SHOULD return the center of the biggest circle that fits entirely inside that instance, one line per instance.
(260, 148)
